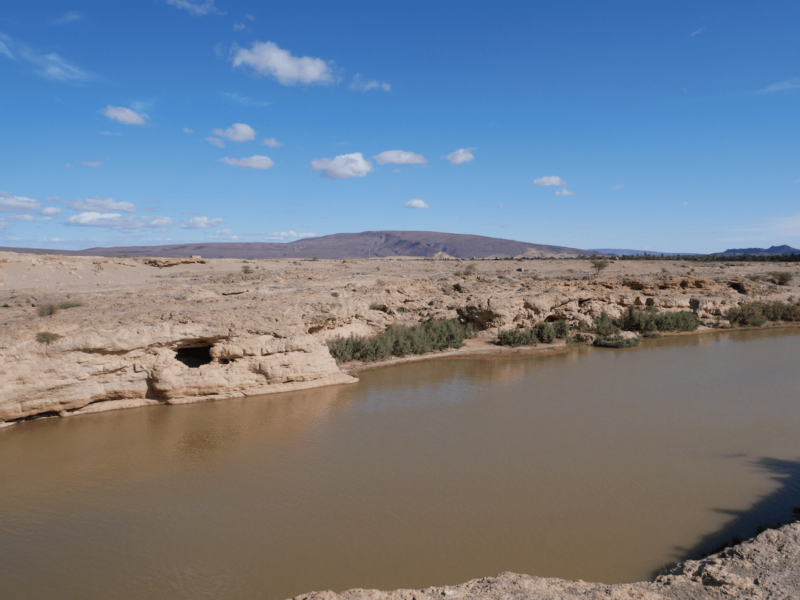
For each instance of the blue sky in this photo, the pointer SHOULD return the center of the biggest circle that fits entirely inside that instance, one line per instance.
(668, 126)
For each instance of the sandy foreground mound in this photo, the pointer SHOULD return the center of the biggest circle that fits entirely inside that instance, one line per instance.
(768, 566)
(132, 332)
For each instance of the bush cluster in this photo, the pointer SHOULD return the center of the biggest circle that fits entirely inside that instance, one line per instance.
(651, 320)
(401, 341)
(541, 332)
(614, 341)
(756, 314)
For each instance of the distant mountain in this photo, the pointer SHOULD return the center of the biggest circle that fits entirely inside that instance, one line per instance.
(343, 245)
(763, 251)
(622, 252)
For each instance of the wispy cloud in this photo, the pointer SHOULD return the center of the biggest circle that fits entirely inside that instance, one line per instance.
(117, 222)
(91, 163)
(343, 166)
(699, 31)
(359, 85)
(198, 9)
(399, 157)
(187, 130)
(564, 192)
(70, 17)
(123, 115)
(782, 86)
(200, 223)
(215, 141)
(252, 162)
(272, 143)
(246, 100)
(267, 59)
(98, 204)
(50, 66)
(460, 156)
(776, 230)
(282, 236)
(619, 187)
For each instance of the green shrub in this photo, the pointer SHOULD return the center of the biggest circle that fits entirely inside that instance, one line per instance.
(650, 320)
(247, 269)
(47, 338)
(756, 314)
(401, 341)
(335, 294)
(47, 310)
(380, 307)
(541, 332)
(604, 326)
(66, 305)
(781, 277)
(561, 328)
(614, 341)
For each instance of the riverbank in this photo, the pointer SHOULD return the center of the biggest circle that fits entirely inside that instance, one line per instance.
(86, 334)
(768, 566)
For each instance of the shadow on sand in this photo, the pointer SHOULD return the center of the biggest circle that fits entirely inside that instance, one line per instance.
(774, 510)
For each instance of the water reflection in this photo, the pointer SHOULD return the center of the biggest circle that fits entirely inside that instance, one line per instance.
(595, 464)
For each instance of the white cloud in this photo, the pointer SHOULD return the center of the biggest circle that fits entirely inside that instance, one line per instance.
(51, 210)
(70, 17)
(238, 132)
(359, 85)
(124, 115)
(187, 130)
(198, 9)
(395, 170)
(12, 203)
(699, 31)
(564, 192)
(619, 187)
(270, 60)
(109, 133)
(117, 222)
(216, 141)
(96, 204)
(92, 163)
(67, 166)
(272, 143)
(686, 203)
(549, 180)
(252, 162)
(399, 157)
(460, 156)
(200, 223)
(501, 206)
(343, 166)
(238, 26)
(416, 204)
(782, 86)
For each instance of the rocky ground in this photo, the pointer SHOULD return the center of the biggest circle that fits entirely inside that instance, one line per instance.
(766, 567)
(144, 331)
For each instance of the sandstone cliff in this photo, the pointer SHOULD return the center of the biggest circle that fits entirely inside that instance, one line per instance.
(138, 332)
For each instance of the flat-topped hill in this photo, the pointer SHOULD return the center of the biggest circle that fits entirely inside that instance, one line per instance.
(366, 244)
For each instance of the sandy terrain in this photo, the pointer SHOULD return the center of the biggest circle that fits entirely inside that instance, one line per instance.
(258, 326)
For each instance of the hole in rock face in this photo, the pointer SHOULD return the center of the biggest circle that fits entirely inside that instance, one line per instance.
(194, 358)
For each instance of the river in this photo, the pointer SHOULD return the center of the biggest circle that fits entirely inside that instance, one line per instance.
(598, 464)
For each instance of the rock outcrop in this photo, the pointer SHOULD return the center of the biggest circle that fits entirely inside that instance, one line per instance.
(766, 567)
(130, 332)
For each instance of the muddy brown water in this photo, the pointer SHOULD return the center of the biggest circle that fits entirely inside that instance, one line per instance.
(597, 464)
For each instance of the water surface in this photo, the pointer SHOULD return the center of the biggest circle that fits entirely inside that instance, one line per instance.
(598, 464)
